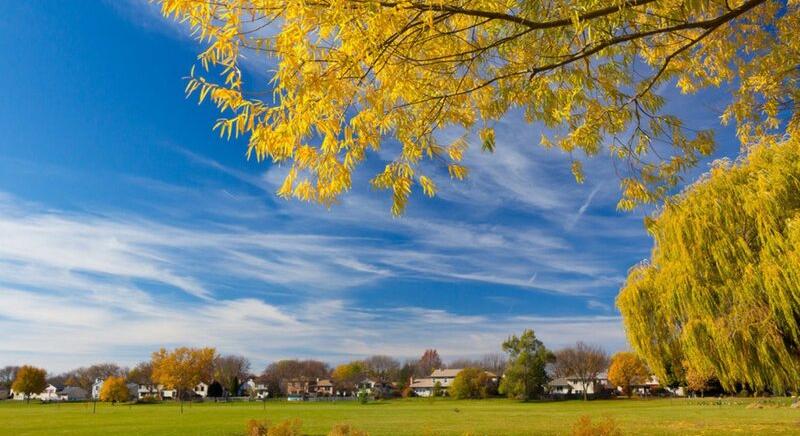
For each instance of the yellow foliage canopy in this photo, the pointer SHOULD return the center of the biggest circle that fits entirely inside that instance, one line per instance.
(627, 370)
(30, 380)
(114, 390)
(352, 76)
(183, 368)
(721, 292)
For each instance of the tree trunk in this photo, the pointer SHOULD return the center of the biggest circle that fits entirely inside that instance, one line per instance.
(585, 395)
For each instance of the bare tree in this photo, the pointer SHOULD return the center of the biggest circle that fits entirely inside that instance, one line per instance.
(494, 362)
(7, 375)
(84, 377)
(142, 373)
(464, 363)
(277, 374)
(382, 367)
(429, 361)
(230, 371)
(582, 362)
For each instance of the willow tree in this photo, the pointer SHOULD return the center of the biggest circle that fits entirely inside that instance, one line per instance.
(721, 291)
(343, 78)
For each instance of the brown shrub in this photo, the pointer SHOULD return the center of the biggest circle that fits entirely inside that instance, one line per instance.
(256, 428)
(346, 430)
(585, 427)
(290, 427)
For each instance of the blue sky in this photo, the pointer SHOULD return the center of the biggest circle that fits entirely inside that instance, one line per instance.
(127, 225)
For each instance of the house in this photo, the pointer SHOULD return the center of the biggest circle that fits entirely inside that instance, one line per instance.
(73, 393)
(96, 387)
(652, 384)
(325, 388)
(424, 387)
(252, 387)
(378, 389)
(301, 386)
(4, 394)
(146, 391)
(367, 385)
(168, 394)
(572, 385)
(201, 390)
(644, 388)
(50, 393)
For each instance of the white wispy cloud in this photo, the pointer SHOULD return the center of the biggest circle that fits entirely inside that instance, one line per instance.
(99, 286)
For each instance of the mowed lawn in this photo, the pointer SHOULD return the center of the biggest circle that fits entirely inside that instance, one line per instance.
(404, 417)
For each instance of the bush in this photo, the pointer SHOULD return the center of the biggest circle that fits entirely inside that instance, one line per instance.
(290, 427)
(346, 430)
(471, 383)
(584, 427)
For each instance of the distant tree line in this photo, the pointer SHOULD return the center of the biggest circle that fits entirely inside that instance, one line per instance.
(521, 371)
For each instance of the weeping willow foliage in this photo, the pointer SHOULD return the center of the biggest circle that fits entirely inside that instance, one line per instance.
(722, 288)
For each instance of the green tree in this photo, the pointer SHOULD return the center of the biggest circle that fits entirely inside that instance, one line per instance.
(721, 287)
(525, 374)
(368, 74)
(114, 390)
(29, 380)
(437, 389)
(471, 383)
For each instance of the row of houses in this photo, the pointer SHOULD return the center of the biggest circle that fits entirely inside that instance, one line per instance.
(316, 387)
(562, 386)
(138, 391)
(54, 393)
(441, 379)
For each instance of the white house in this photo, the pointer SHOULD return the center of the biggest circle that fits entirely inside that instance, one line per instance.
(96, 387)
(50, 393)
(260, 389)
(423, 387)
(201, 390)
(146, 391)
(573, 385)
(653, 383)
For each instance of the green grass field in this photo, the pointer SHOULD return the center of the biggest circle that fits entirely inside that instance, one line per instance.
(405, 417)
